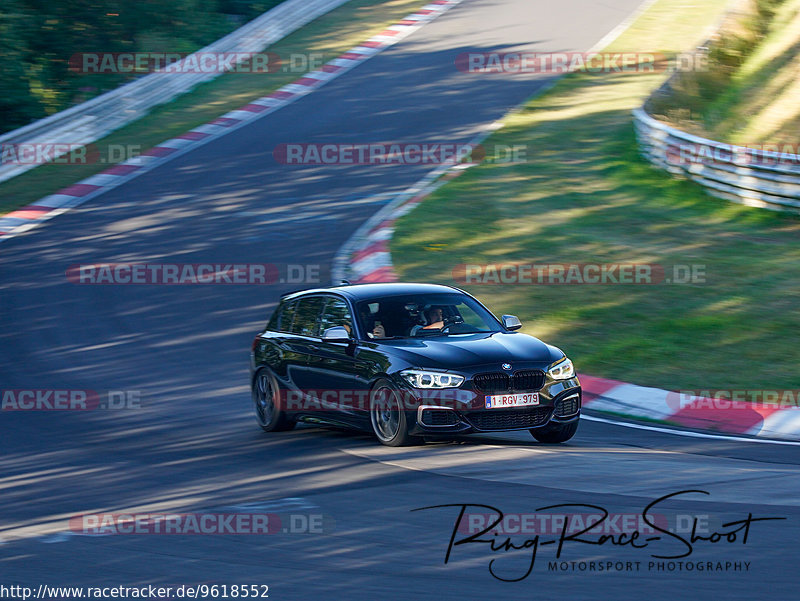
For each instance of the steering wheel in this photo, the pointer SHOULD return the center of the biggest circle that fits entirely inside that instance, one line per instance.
(450, 321)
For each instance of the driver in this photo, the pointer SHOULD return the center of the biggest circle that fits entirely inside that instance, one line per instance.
(435, 319)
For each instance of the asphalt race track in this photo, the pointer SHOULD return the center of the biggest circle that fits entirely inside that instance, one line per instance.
(191, 444)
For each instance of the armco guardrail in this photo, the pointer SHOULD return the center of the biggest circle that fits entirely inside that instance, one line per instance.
(756, 177)
(91, 120)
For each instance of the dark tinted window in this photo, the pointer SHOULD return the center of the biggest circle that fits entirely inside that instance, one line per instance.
(418, 315)
(336, 313)
(272, 324)
(281, 320)
(306, 318)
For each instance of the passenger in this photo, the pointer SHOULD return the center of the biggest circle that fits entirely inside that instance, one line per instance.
(377, 330)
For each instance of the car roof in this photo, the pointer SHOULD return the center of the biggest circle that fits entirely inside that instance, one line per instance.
(366, 291)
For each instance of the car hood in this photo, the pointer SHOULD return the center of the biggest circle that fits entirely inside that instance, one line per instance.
(461, 351)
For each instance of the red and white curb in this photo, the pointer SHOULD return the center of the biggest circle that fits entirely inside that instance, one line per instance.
(719, 415)
(365, 257)
(26, 218)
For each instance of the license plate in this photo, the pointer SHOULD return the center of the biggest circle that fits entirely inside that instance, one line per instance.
(498, 401)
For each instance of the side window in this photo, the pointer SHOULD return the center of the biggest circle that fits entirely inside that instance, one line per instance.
(281, 320)
(306, 318)
(336, 313)
(274, 323)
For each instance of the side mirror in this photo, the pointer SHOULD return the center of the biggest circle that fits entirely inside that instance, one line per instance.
(511, 322)
(336, 334)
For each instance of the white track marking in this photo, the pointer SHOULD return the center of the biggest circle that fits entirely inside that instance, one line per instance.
(620, 29)
(688, 434)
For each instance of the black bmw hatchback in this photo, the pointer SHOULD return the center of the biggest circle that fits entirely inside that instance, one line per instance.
(407, 362)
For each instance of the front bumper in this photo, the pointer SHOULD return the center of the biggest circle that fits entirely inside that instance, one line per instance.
(559, 403)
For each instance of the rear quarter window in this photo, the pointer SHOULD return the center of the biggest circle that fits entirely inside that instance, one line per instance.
(307, 316)
(281, 320)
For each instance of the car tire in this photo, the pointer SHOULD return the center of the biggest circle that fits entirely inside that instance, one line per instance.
(265, 394)
(387, 418)
(555, 433)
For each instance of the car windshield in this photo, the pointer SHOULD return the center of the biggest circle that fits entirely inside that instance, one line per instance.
(423, 315)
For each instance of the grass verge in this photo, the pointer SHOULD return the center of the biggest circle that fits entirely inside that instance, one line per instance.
(326, 37)
(584, 195)
(749, 93)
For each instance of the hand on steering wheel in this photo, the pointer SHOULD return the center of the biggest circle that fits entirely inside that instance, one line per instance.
(450, 321)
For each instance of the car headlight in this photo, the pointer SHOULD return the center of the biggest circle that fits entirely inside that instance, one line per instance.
(562, 369)
(431, 379)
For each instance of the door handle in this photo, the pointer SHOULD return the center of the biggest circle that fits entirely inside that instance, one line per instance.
(313, 347)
